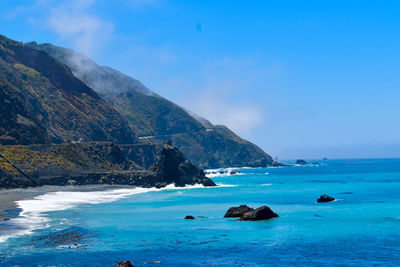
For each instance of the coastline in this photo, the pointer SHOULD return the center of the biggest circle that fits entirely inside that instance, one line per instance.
(24, 210)
(10, 208)
(10, 197)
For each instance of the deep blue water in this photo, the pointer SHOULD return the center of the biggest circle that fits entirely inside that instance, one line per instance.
(361, 228)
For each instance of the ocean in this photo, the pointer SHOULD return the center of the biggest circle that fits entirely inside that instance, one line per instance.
(147, 226)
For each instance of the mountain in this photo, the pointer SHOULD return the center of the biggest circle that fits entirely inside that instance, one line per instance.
(155, 119)
(41, 102)
(148, 113)
(92, 163)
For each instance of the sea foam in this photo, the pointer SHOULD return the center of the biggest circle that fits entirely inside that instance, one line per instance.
(34, 211)
(226, 172)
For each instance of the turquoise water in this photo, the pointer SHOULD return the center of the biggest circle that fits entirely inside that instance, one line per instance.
(360, 228)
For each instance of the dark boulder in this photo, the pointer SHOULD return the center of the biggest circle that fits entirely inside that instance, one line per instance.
(325, 198)
(124, 264)
(259, 214)
(278, 164)
(173, 169)
(235, 212)
(301, 162)
(189, 217)
(234, 172)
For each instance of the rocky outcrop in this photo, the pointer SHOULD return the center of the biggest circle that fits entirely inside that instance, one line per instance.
(325, 198)
(92, 163)
(235, 212)
(301, 162)
(189, 217)
(259, 214)
(278, 164)
(172, 168)
(124, 264)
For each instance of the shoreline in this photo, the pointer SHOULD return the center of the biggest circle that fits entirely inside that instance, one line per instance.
(9, 198)
(24, 210)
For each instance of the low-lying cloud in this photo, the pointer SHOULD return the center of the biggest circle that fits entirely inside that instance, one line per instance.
(241, 118)
(72, 21)
(222, 96)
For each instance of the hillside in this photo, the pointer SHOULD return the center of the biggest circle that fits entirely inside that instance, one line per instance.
(91, 163)
(154, 118)
(41, 102)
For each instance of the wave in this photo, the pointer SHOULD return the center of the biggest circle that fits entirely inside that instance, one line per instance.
(226, 172)
(213, 175)
(33, 214)
(227, 185)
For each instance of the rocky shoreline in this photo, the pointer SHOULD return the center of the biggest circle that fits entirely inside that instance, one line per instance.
(95, 163)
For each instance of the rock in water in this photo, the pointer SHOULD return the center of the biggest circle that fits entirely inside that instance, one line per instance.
(189, 217)
(259, 214)
(278, 164)
(301, 162)
(234, 212)
(173, 169)
(124, 264)
(325, 198)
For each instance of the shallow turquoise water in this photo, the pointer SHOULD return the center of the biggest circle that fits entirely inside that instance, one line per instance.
(361, 228)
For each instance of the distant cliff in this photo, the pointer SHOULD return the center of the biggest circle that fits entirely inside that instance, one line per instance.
(155, 119)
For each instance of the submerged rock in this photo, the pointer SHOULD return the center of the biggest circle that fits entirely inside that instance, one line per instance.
(124, 264)
(259, 214)
(70, 236)
(234, 172)
(234, 212)
(189, 217)
(325, 198)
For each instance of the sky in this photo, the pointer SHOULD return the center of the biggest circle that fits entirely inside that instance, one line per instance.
(301, 79)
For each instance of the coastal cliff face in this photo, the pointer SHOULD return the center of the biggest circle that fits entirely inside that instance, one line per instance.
(172, 168)
(155, 119)
(92, 163)
(56, 130)
(41, 102)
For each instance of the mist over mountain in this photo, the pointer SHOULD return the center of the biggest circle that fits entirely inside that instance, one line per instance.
(155, 119)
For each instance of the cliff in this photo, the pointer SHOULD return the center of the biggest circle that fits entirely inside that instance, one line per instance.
(42, 102)
(155, 119)
(92, 163)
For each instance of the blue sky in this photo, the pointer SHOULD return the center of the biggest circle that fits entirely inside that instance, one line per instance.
(298, 78)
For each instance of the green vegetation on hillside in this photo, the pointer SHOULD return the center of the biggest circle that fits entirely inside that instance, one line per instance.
(41, 101)
(155, 119)
(62, 159)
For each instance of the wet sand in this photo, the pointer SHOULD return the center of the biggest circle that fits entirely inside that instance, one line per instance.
(8, 198)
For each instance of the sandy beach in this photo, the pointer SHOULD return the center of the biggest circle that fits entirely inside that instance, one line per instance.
(8, 198)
